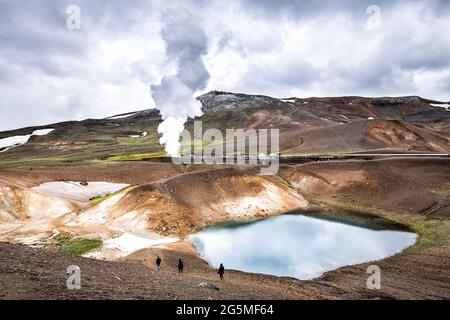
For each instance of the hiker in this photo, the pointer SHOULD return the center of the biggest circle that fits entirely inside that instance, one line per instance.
(158, 263)
(221, 271)
(180, 266)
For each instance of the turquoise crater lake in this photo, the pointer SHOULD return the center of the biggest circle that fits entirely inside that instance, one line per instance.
(296, 245)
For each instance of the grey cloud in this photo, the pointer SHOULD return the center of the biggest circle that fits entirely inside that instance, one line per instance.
(305, 9)
(285, 74)
(60, 73)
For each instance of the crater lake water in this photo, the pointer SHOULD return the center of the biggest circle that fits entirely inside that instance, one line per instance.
(295, 245)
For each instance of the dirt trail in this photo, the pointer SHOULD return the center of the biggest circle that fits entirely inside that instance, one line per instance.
(39, 274)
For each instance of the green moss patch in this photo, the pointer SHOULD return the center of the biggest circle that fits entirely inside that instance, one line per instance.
(137, 156)
(75, 246)
(96, 200)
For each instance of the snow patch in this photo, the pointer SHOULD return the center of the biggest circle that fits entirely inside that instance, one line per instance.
(143, 134)
(123, 116)
(129, 242)
(15, 141)
(42, 132)
(446, 106)
(78, 192)
(370, 118)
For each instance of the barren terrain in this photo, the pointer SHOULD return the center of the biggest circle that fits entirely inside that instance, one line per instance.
(93, 187)
(337, 187)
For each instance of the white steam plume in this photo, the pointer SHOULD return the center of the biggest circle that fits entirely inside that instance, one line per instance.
(186, 42)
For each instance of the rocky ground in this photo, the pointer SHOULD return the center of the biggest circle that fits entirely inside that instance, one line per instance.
(324, 177)
(31, 273)
(412, 192)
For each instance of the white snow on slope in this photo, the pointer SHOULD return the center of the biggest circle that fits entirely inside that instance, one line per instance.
(42, 132)
(78, 192)
(441, 105)
(129, 242)
(15, 141)
(143, 134)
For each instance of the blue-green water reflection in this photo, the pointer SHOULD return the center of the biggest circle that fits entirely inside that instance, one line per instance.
(296, 245)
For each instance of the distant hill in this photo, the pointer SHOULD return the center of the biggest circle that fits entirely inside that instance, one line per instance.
(334, 125)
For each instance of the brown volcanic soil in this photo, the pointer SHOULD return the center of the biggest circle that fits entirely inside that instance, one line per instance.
(188, 202)
(414, 192)
(417, 186)
(131, 172)
(307, 126)
(172, 205)
(33, 273)
(363, 135)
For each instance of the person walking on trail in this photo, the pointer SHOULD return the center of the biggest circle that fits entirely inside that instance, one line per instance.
(158, 263)
(221, 271)
(180, 266)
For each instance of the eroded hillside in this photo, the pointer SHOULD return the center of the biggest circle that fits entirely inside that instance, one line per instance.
(175, 206)
(307, 126)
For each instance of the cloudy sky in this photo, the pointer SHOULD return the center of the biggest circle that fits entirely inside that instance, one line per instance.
(51, 70)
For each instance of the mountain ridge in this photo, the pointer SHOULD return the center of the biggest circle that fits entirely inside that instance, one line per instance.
(307, 126)
(203, 97)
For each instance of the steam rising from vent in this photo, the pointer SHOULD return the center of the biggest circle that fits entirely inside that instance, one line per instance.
(174, 97)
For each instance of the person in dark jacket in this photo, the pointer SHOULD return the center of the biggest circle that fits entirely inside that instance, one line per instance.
(180, 266)
(158, 263)
(221, 271)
